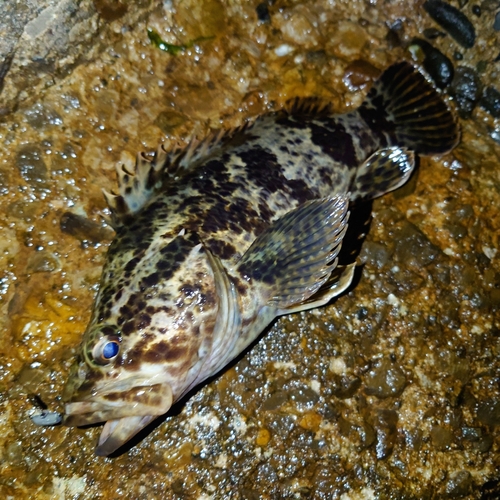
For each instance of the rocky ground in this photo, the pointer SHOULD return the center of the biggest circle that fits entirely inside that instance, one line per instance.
(393, 390)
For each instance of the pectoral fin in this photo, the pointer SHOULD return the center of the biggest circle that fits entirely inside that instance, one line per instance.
(384, 171)
(291, 260)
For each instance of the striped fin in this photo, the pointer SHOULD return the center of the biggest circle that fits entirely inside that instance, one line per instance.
(405, 107)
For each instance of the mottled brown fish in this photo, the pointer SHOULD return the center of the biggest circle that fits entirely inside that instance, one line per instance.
(214, 242)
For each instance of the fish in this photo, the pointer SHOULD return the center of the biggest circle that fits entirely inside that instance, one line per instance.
(216, 240)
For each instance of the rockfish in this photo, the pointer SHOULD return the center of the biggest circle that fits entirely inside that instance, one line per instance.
(215, 241)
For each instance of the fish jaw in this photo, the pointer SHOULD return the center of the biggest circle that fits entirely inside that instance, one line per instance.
(117, 432)
(125, 413)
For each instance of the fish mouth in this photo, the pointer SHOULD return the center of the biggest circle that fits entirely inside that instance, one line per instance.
(124, 413)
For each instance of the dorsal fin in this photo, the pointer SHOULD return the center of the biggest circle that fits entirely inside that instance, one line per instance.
(149, 176)
(308, 106)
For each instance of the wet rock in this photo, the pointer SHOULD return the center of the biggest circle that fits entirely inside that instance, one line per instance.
(374, 254)
(459, 485)
(14, 453)
(40, 116)
(385, 424)
(43, 262)
(413, 248)
(263, 12)
(491, 101)
(83, 229)
(367, 435)
(432, 33)
(110, 10)
(414, 439)
(346, 387)
(453, 21)
(31, 166)
(169, 121)
(439, 67)
(478, 439)
(442, 438)
(280, 425)
(274, 401)
(23, 210)
(488, 413)
(491, 490)
(466, 88)
(296, 27)
(359, 73)
(304, 396)
(385, 380)
(496, 24)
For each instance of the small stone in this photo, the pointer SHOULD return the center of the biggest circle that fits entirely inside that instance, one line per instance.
(459, 485)
(433, 33)
(386, 432)
(274, 401)
(442, 438)
(488, 413)
(466, 87)
(374, 254)
(30, 163)
(311, 421)
(491, 101)
(346, 387)
(83, 229)
(43, 262)
(263, 437)
(496, 24)
(453, 21)
(263, 12)
(359, 73)
(385, 380)
(439, 67)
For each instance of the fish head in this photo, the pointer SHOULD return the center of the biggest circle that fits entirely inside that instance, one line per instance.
(152, 324)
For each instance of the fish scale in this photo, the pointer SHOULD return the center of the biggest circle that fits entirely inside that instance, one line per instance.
(215, 241)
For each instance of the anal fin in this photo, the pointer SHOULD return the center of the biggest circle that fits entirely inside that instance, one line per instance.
(336, 284)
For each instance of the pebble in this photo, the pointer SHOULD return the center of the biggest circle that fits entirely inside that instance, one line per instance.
(346, 387)
(488, 413)
(82, 228)
(432, 33)
(374, 254)
(386, 432)
(385, 380)
(439, 67)
(31, 166)
(263, 12)
(358, 73)
(496, 24)
(43, 262)
(453, 21)
(491, 101)
(459, 485)
(466, 88)
(441, 437)
(413, 247)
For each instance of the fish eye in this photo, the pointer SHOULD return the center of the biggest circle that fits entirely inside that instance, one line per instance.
(106, 350)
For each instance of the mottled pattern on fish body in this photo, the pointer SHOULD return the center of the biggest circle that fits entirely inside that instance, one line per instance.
(212, 246)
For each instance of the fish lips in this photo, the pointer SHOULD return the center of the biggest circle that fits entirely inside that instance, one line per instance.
(125, 413)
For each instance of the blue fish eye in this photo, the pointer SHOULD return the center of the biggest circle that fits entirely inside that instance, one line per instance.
(110, 350)
(106, 349)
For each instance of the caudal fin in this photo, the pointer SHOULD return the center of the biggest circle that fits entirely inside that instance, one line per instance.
(409, 112)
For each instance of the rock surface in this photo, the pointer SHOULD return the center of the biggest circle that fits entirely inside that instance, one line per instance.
(392, 391)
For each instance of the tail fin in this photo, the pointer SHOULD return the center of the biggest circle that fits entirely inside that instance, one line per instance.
(405, 107)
